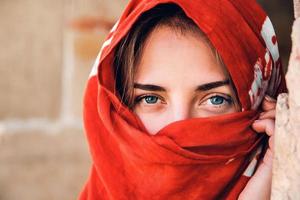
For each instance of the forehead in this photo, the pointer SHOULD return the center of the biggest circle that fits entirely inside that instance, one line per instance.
(169, 55)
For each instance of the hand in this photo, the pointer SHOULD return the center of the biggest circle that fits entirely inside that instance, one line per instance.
(259, 186)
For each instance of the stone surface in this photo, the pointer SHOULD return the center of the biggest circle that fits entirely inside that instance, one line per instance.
(35, 165)
(30, 58)
(297, 8)
(286, 170)
(32, 54)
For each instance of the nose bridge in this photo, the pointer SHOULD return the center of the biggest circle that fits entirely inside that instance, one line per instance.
(181, 109)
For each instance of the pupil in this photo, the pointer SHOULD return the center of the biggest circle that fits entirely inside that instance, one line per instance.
(151, 99)
(217, 100)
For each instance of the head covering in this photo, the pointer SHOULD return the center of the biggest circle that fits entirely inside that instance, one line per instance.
(198, 158)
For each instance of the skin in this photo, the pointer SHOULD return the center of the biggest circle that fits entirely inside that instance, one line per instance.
(259, 186)
(165, 92)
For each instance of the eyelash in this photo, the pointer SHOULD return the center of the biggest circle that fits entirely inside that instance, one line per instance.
(227, 99)
(140, 98)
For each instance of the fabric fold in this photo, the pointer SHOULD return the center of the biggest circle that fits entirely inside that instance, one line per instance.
(198, 158)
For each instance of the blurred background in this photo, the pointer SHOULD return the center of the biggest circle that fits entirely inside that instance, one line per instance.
(47, 49)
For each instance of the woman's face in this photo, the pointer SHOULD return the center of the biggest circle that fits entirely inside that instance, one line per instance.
(179, 77)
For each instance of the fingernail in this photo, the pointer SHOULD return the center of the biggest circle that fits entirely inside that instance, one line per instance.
(270, 99)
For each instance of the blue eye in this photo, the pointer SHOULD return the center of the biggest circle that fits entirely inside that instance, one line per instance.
(151, 99)
(148, 99)
(217, 100)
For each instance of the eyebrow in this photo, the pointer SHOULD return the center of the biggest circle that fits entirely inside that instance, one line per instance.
(149, 87)
(212, 85)
(204, 87)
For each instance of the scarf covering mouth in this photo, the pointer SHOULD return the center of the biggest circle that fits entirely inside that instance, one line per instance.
(197, 158)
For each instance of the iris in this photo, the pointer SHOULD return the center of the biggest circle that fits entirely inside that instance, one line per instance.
(217, 100)
(151, 99)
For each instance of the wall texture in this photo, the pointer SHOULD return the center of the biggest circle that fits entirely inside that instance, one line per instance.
(31, 58)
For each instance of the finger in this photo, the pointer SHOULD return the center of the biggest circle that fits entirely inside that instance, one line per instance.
(264, 125)
(268, 114)
(270, 99)
(268, 104)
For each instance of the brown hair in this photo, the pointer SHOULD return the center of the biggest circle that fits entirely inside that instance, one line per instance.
(128, 52)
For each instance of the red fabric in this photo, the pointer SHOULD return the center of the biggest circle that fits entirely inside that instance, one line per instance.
(199, 158)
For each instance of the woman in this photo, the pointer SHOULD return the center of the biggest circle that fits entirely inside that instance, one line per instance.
(172, 98)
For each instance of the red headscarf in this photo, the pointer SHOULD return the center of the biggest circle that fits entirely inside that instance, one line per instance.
(198, 158)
